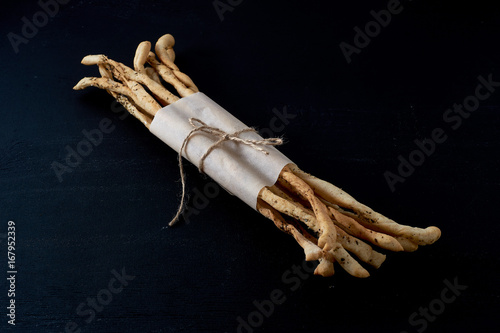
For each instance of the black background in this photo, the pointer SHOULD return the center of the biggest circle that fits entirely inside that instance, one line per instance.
(351, 123)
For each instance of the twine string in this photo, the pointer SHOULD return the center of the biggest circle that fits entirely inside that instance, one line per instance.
(200, 126)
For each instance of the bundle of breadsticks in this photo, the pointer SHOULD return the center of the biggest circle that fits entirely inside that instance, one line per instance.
(326, 222)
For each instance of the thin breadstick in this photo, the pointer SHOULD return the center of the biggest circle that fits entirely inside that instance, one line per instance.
(164, 50)
(149, 105)
(325, 268)
(407, 244)
(287, 207)
(285, 190)
(124, 73)
(362, 250)
(141, 93)
(141, 55)
(377, 259)
(131, 108)
(171, 54)
(354, 228)
(311, 250)
(288, 189)
(153, 75)
(327, 237)
(364, 214)
(140, 58)
(348, 263)
(278, 191)
(186, 80)
(168, 75)
(416, 235)
(105, 71)
(123, 100)
(308, 235)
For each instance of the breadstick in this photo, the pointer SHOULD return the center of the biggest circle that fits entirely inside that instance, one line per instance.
(186, 80)
(407, 244)
(153, 75)
(348, 263)
(354, 228)
(325, 268)
(362, 250)
(364, 214)
(123, 100)
(327, 237)
(287, 193)
(164, 50)
(146, 103)
(105, 70)
(287, 207)
(311, 250)
(168, 75)
(141, 93)
(141, 55)
(124, 73)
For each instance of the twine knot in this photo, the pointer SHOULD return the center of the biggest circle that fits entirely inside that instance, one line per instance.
(200, 126)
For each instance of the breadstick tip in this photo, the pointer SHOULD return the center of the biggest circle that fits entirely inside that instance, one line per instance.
(434, 234)
(325, 268)
(167, 41)
(81, 84)
(93, 59)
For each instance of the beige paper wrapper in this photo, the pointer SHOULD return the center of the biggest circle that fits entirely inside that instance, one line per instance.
(240, 169)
